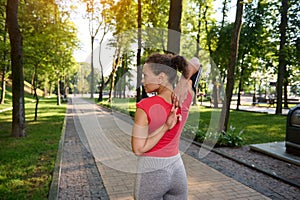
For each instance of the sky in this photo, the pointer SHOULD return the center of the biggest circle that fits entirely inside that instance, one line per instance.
(82, 55)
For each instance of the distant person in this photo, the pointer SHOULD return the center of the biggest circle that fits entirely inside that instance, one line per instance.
(271, 100)
(158, 124)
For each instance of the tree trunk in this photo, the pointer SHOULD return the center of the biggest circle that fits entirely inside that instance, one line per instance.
(92, 67)
(35, 94)
(240, 85)
(234, 45)
(4, 69)
(112, 81)
(50, 88)
(224, 10)
(215, 96)
(18, 118)
(285, 91)
(3, 85)
(58, 93)
(32, 83)
(100, 98)
(238, 103)
(138, 56)
(113, 73)
(174, 29)
(123, 75)
(45, 89)
(195, 100)
(282, 56)
(198, 31)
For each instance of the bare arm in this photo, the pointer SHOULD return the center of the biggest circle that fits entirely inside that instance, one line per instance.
(184, 84)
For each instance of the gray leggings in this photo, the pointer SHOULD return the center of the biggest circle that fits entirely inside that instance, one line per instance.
(161, 178)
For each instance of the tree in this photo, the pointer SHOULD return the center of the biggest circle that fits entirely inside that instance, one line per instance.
(49, 41)
(123, 20)
(18, 123)
(5, 50)
(282, 57)
(105, 29)
(155, 25)
(293, 46)
(174, 27)
(209, 44)
(152, 32)
(94, 16)
(123, 78)
(224, 11)
(252, 45)
(36, 26)
(82, 85)
(139, 50)
(234, 45)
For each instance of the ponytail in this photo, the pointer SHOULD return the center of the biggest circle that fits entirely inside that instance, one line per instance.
(180, 64)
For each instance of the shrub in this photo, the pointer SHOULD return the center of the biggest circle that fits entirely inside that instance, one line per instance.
(231, 138)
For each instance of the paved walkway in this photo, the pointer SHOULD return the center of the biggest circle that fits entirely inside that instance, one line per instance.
(95, 135)
(259, 109)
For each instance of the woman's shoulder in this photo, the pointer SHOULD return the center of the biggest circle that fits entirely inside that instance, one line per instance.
(151, 101)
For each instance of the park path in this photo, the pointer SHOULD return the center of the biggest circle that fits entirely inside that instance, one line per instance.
(97, 162)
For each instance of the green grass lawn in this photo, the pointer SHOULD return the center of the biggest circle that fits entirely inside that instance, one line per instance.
(26, 164)
(256, 127)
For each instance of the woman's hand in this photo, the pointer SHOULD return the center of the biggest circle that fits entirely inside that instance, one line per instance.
(193, 66)
(173, 117)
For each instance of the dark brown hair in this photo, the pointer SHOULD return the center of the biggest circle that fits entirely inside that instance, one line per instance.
(168, 64)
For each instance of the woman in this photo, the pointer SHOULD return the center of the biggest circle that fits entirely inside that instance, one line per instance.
(158, 125)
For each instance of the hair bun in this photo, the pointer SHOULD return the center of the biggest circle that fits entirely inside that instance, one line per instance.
(180, 64)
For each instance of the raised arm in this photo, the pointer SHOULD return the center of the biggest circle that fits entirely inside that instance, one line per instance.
(184, 84)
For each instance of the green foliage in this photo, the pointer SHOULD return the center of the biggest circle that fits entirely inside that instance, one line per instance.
(221, 54)
(123, 16)
(82, 81)
(49, 42)
(231, 138)
(196, 17)
(192, 132)
(26, 164)
(257, 127)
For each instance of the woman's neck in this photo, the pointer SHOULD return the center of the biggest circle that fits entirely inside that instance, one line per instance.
(166, 93)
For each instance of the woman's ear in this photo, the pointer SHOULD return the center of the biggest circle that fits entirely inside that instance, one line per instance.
(161, 77)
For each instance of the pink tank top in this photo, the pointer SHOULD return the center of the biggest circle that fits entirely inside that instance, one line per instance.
(157, 111)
